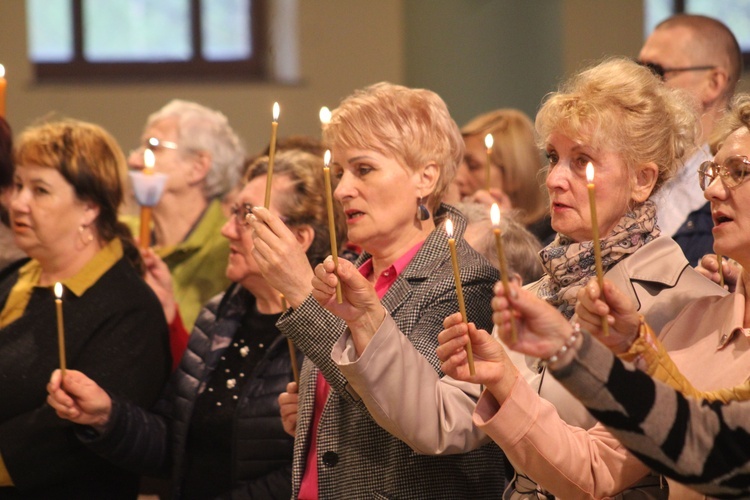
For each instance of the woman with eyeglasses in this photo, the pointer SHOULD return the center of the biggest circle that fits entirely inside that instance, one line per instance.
(217, 424)
(703, 446)
(202, 157)
(635, 132)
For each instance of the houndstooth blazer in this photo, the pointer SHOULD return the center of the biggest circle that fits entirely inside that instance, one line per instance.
(357, 458)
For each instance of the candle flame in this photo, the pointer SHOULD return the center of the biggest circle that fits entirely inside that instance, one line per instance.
(148, 158)
(590, 172)
(327, 158)
(276, 111)
(58, 290)
(2, 71)
(449, 228)
(495, 214)
(489, 141)
(325, 115)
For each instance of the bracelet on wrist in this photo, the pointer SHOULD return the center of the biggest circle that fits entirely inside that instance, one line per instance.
(567, 346)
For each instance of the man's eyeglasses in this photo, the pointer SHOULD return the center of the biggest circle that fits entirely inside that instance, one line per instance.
(242, 213)
(661, 71)
(733, 172)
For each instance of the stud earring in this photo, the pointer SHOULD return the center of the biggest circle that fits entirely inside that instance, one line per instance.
(423, 213)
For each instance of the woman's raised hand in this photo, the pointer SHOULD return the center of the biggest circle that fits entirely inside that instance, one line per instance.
(79, 399)
(542, 330)
(361, 308)
(621, 314)
(280, 257)
(159, 279)
(492, 366)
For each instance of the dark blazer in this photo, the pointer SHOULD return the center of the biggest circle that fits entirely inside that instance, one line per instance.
(115, 332)
(156, 442)
(356, 458)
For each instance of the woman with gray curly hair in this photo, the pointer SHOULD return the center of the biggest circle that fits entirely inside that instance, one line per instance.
(202, 157)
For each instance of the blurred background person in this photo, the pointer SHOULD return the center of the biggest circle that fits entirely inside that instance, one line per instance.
(700, 56)
(202, 157)
(68, 187)
(9, 252)
(222, 437)
(520, 246)
(515, 168)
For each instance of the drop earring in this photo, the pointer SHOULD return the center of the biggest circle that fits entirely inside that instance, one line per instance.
(422, 212)
(85, 239)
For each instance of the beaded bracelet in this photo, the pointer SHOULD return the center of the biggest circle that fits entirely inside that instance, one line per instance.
(569, 343)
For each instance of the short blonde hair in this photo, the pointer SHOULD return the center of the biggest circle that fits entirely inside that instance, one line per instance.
(409, 125)
(621, 106)
(514, 149)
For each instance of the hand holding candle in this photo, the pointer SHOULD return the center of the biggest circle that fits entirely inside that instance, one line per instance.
(459, 289)
(595, 237)
(331, 220)
(271, 153)
(495, 216)
(489, 141)
(60, 328)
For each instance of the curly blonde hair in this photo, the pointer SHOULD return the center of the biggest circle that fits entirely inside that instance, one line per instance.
(621, 106)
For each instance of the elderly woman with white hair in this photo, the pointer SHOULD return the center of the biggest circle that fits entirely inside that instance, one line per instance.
(202, 157)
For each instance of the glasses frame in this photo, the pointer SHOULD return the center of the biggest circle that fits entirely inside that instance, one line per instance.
(247, 210)
(708, 171)
(661, 71)
(154, 143)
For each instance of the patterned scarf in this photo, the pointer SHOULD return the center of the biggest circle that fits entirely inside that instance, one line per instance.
(569, 265)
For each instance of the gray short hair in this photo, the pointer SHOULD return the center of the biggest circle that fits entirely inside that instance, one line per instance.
(204, 129)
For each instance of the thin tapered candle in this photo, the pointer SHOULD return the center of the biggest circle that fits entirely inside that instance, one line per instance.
(331, 220)
(271, 153)
(3, 88)
(495, 216)
(459, 289)
(595, 238)
(60, 328)
(149, 161)
(489, 141)
(720, 262)
(292, 350)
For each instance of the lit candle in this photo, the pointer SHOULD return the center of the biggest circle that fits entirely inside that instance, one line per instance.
(495, 216)
(292, 350)
(331, 220)
(149, 160)
(459, 290)
(488, 143)
(325, 116)
(60, 329)
(3, 87)
(271, 153)
(595, 238)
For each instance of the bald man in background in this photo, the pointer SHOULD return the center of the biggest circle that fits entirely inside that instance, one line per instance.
(701, 56)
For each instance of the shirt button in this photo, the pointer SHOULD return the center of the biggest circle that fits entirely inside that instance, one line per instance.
(330, 458)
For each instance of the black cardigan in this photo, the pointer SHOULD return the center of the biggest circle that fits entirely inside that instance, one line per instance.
(117, 335)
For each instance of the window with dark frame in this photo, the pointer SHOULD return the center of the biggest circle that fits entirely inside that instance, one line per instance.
(75, 40)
